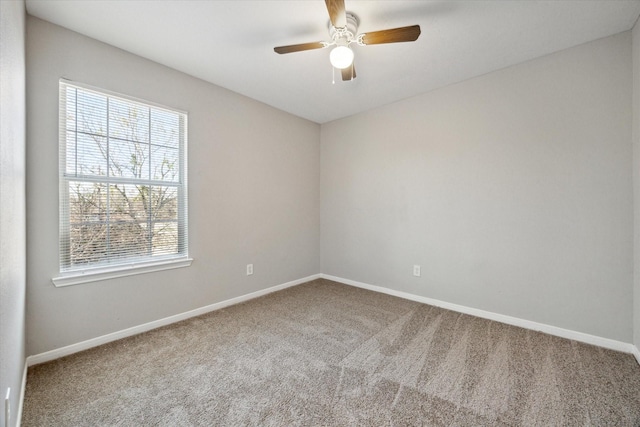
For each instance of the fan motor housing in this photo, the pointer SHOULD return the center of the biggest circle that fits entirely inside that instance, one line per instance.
(349, 31)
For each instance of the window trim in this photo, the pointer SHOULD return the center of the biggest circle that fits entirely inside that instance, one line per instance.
(99, 272)
(121, 95)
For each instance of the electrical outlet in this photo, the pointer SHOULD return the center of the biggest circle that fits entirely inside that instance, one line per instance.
(416, 270)
(7, 407)
(249, 269)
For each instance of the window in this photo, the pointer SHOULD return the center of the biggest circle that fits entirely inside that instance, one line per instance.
(123, 185)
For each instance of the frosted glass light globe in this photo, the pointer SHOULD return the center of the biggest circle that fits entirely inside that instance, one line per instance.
(341, 57)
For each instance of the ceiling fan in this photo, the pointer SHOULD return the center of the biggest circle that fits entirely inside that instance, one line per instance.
(343, 27)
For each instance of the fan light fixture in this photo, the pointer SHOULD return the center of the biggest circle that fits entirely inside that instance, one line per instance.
(341, 57)
(343, 30)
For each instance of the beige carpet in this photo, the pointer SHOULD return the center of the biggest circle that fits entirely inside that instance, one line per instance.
(328, 354)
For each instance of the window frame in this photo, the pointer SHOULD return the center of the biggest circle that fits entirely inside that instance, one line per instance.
(132, 265)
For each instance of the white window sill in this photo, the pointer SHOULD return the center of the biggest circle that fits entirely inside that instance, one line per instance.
(78, 277)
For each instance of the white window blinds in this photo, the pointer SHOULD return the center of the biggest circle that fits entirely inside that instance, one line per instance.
(123, 180)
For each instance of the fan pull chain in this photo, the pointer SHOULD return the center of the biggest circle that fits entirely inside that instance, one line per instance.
(333, 75)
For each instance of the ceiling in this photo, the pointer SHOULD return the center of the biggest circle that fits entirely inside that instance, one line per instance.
(230, 43)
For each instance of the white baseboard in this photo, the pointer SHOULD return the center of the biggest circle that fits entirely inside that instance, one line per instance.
(23, 388)
(552, 330)
(515, 321)
(94, 342)
(636, 353)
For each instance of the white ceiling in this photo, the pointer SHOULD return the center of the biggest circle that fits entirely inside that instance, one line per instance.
(230, 43)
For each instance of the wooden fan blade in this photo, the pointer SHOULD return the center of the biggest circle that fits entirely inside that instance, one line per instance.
(349, 73)
(394, 35)
(337, 13)
(299, 47)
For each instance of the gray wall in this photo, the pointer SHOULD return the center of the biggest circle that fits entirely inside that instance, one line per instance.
(12, 202)
(636, 180)
(513, 191)
(253, 194)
